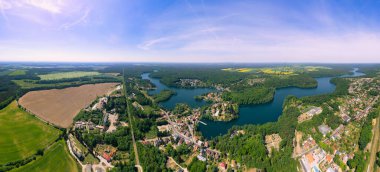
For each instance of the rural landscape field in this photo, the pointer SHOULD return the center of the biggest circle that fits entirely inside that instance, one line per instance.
(189, 86)
(164, 117)
(22, 134)
(60, 106)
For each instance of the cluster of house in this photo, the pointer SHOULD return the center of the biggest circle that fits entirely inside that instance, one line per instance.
(255, 81)
(107, 152)
(213, 97)
(362, 102)
(88, 125)
(182, 132)
(315, 159)
(158, 141)
(111, 117)
(190, 82)
(310, 161)
(309, 114)
(206, 153)
(222, 111)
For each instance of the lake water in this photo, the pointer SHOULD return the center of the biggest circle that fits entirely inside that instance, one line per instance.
(252, 114)
(182, 95)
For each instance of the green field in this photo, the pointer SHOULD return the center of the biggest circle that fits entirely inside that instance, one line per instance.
(57, 158)
(26, 85)
(21, 134)
(65, 75)
(17, 72)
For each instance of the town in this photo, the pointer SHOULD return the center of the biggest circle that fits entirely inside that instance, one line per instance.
(316, 148)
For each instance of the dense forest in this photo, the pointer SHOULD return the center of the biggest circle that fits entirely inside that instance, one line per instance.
(302, 81)
(209, 75)
(249, 95)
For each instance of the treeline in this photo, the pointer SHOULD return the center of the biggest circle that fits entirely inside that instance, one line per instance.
(359, 161)
(8, 90)
(249, 95)
(94, 116)
(12, 165)
(117, 103)
(207, 74)
(151, 158)
(57, 81)
(58, 86)
(366, 132)
(302, 81)
(121, 138)
(178, 153)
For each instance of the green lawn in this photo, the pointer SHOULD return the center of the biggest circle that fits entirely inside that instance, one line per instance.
(57, 158)
(17, 72)
(64, 75)
(21, 134)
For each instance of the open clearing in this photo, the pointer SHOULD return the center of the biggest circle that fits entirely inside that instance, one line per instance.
(59, 106)
(65, 75)
(21, 134)
(57, 158)
(17, 73)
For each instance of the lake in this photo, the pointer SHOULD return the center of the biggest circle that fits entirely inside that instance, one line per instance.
(252, 114)
(183, 95)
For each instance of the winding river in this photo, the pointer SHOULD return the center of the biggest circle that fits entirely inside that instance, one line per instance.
(252, 114)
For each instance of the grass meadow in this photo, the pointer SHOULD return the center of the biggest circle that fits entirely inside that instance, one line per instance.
(57, 158)
(22, 134)
(17, 73)
(65, 75)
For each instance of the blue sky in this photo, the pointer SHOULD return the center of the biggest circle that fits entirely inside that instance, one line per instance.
(190, 30)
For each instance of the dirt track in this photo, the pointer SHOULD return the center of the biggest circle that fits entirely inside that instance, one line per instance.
(59, 106)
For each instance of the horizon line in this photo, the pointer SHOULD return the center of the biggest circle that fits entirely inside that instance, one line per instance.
(188, 62)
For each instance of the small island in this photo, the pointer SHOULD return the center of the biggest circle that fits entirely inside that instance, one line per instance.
(163, 95)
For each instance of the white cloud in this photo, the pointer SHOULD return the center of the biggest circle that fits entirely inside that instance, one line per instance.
(52, 6)
(80, 20)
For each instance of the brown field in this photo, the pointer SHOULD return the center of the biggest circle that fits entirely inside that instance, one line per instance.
(59, 106)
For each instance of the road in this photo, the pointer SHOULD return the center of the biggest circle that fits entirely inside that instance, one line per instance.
(137, 159)
(305, 152)
(374, 146)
